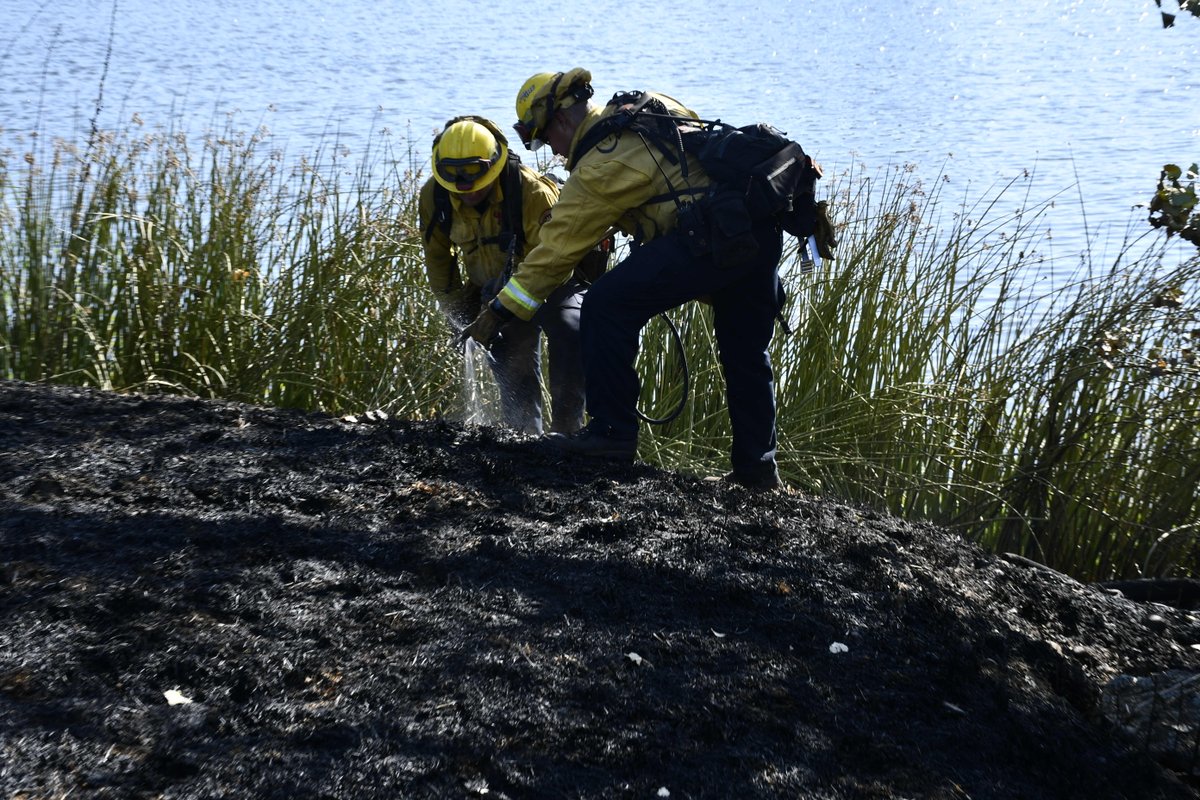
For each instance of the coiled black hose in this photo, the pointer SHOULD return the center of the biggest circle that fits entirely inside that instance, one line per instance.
(683, 366)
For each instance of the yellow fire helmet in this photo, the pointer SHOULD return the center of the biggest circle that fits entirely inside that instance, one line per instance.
(542, 95)
(469, 154)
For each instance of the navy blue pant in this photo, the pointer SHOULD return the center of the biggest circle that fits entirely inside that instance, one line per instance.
(661, 275)
(516, 362)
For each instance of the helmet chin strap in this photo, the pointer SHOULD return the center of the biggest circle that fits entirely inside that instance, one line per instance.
(551, 96)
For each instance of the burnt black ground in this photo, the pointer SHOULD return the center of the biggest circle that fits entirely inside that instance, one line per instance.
(386, 609)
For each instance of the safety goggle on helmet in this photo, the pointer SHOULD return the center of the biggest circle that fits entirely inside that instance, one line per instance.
(530, 136)
(467, 156)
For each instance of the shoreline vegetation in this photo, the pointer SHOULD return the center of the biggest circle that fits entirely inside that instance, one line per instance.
(929, 370)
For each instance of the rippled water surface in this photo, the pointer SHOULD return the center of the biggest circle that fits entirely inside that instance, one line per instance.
(1091, 96)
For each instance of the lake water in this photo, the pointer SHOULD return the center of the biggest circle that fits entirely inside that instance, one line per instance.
(1091, 96)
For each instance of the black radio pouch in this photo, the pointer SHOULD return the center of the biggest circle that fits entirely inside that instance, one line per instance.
(693, 227)
(731, 229)
(719, 225)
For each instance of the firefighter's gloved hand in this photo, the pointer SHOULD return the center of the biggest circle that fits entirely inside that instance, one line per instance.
(460, 307)
(485, 329)
(824, 233)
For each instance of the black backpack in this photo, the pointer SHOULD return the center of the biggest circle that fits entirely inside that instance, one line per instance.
(756, 173)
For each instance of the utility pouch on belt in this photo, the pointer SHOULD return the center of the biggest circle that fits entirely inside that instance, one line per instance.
(719, 225)
(731, 229)
(693, 227)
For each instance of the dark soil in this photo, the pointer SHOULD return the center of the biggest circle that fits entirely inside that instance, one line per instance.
(377, 608)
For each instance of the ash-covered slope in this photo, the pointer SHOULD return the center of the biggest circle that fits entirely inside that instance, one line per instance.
(205, 599)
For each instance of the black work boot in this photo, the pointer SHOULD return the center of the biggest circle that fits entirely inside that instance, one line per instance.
(762, 481)
(597, 441)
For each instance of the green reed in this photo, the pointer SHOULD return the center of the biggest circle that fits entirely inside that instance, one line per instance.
(143, 262)
(932, 373)
(929, 372)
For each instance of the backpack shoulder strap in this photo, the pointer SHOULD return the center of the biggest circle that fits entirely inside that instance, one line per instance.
(513, 216)
(441, 211)
(629, 105)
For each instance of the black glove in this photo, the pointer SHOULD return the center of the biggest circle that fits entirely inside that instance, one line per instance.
(824, 234)
(485, 329)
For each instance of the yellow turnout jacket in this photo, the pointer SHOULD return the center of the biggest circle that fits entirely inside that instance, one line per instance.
(473, 231)
(618, 183)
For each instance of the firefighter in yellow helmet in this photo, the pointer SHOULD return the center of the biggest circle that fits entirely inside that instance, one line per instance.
(481, 212)
(623, 181)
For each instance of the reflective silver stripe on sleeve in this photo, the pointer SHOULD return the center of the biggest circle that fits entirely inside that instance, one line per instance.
(516, 292)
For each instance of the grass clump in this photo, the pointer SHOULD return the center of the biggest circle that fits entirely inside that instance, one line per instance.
(930, 371)
(145, 263)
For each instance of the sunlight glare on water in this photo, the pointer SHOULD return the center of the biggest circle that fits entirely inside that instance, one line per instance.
(1091, 98)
